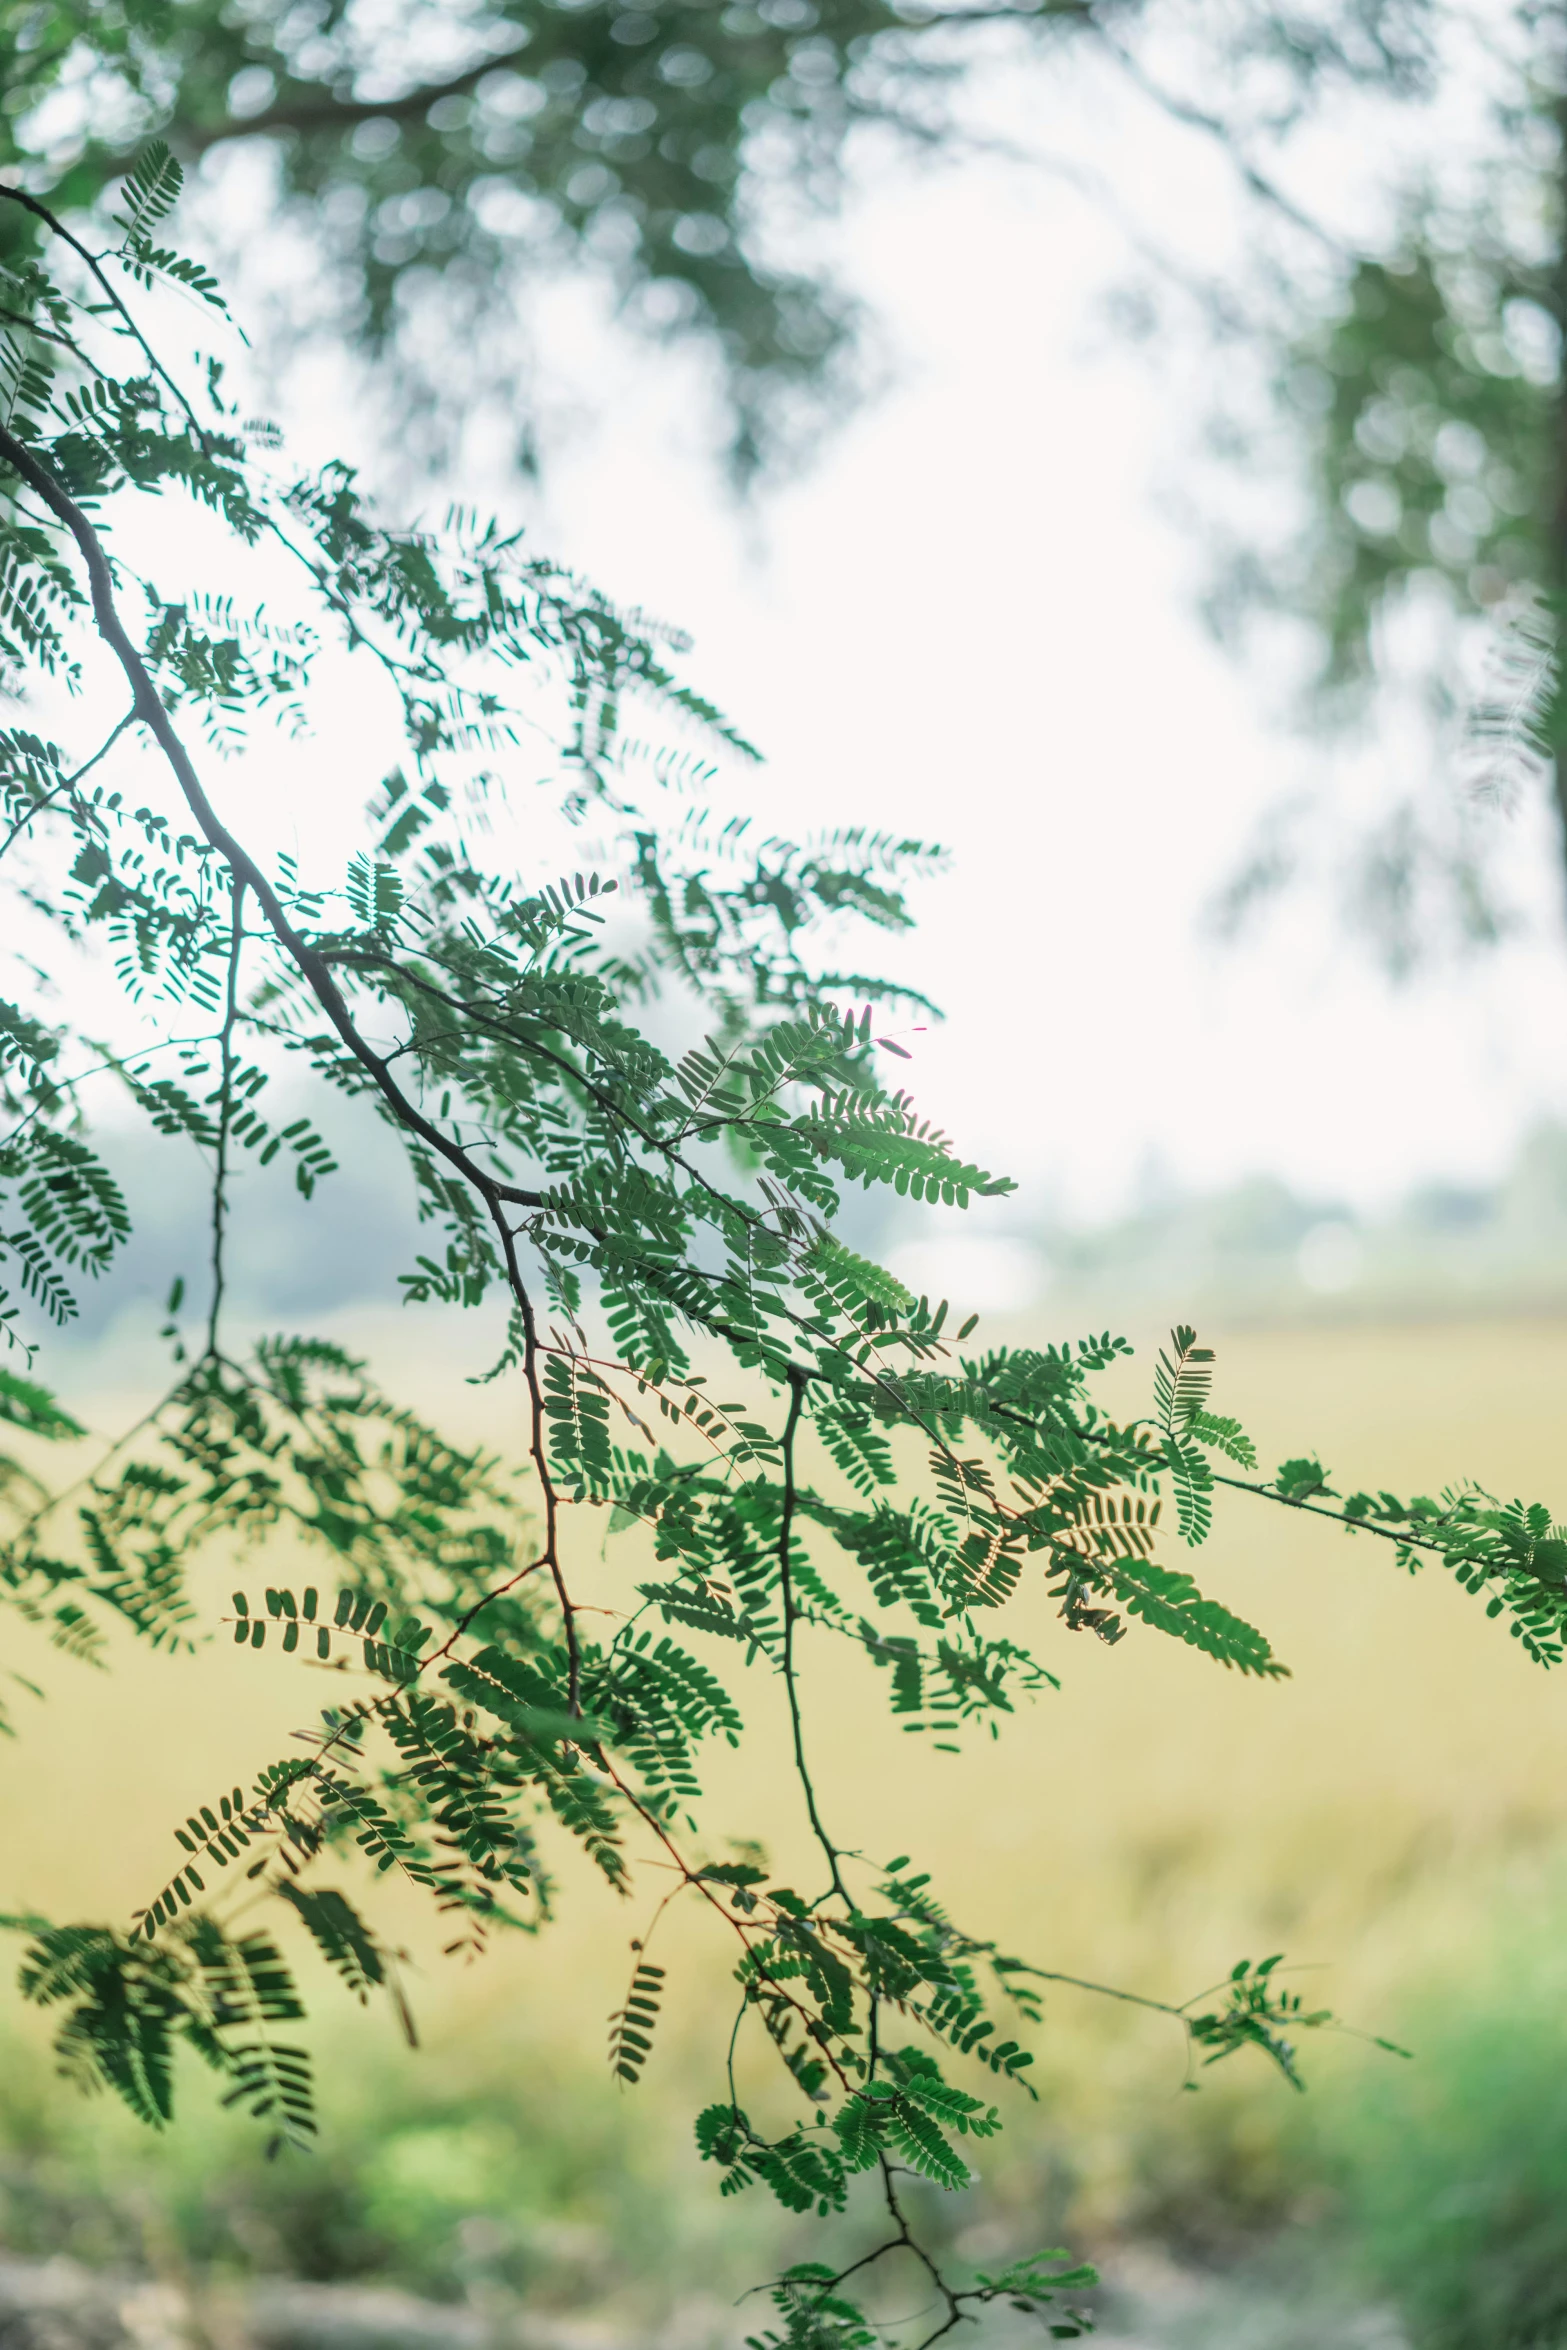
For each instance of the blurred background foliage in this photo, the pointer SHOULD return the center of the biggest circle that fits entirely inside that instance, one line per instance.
(501, 2176)
(1256, 1251)
(436, 158)
(1385, 306)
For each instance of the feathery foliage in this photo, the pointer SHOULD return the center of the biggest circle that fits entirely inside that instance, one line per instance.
(812, 1458)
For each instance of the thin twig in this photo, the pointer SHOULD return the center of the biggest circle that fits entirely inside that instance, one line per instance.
(116, 300)
(149, 709)
(790, 1612)
(225, 1113)
(66, 783)
(321, 113)
(1195, 117)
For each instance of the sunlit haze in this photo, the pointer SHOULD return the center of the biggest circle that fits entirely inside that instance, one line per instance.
(973, 620)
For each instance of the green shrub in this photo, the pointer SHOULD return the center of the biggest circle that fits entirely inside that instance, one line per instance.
(1435, 2188)
(1451, 2171)
(517, 2176)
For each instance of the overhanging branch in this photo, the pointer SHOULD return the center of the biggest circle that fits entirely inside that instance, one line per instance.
(148, 708)
(314, 110)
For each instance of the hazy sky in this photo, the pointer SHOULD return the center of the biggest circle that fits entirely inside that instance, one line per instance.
(973, 621)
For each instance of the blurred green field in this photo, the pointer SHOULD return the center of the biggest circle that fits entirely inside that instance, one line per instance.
(1384, 1817)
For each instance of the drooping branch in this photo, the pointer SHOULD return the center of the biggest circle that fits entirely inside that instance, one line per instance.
(308, 111)
(66, 784)
(149, 709)
(111, 294)
(220, 1180)
(797, 1386)
(1193, 116)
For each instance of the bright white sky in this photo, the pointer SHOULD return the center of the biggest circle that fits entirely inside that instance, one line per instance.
(973, 622)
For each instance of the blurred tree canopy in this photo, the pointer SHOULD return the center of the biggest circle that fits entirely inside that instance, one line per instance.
(664, 145)
(1420, 391)
(437, 161)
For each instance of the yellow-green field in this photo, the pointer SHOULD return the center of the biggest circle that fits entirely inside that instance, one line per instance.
(1149, 1823)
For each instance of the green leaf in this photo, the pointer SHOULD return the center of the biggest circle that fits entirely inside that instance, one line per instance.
(149, 192)
(26, 1405)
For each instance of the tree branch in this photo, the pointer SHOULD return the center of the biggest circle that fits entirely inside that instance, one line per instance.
(220, 1202)
(797, 1386)
(67, 782)
(149, 709)
(1195, 117)
(115, 299)
(312, 111)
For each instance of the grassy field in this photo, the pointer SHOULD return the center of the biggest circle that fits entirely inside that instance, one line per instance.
(1157, 1818)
